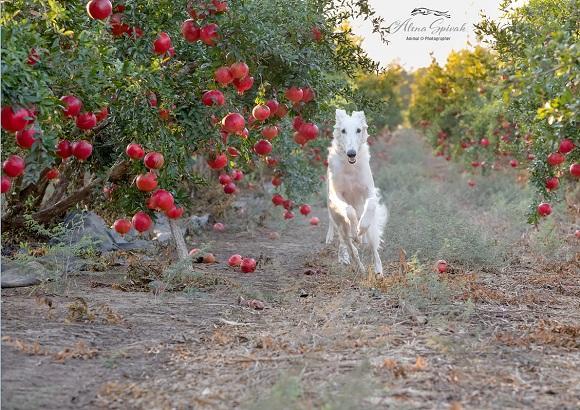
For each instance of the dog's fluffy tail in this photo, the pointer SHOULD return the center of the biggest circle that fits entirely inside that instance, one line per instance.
(382, 214)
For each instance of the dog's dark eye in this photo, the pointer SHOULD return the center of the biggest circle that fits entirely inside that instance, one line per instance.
(343, 131)
(358, 130)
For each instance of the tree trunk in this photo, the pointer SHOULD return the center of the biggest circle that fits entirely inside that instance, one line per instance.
(177, 234)
(15, 220)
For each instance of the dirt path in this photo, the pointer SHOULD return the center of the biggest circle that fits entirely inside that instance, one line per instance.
(502, 336)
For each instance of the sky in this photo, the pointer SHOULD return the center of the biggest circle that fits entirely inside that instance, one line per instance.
(413, 38)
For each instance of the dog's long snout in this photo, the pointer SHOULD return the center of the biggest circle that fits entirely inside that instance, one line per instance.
(351, 154)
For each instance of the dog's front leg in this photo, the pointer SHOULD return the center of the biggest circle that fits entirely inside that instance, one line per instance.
(344, 216)
(368, 216)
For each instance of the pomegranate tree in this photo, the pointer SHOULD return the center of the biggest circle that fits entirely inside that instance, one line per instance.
(118, 107)
(505, 108)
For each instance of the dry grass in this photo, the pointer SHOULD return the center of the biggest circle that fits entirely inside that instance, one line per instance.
(80, 350)
(543, 333)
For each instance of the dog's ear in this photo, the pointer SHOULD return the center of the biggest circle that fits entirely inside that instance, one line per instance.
(361, 116)
(340, 115)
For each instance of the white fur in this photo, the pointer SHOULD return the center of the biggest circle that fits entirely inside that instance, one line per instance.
(354, 206)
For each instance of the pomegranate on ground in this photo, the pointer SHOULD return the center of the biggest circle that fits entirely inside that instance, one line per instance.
(235, 260)
(442, 266)
(248, 265)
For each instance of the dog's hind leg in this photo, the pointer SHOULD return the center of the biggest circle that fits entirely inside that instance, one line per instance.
(373, 236)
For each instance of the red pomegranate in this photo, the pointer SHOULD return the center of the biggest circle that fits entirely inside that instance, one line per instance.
(297, 122)
(6, 184)
(552, 183)
(277, 199)
(213, 97)
(224, 179)
(237, 175)
(309, 131)
(305, 209)
(248, 265)
(122, 226)
(135, 151)
(300, 139)
(294, 94)
(223, 76)
(146, 182)
(25, 138)
(141, 221)
(556, 158)
(33, 57)
(81, 149)
(233, 122)
(273, 105)
(235, 260)
(276, 181)
(308, 94)
(244, 84)
(175, 212)
(282, 111)
(99, 9)
(316, 34)
(163, 200)
(566, 145)
(52, 174)
(162, 43)
(270, 132)
(261, 112)
(154, 160)
(230, 188)
(63, 149)
(72, 105)
(209, 34)
(239, 70)
(263, 147)
(86, 121)
(190, 31)
(544, 209)
(14, 121)
(575, 170)
(233, 152)
(102, 114)
(13, 166)
(217, 161)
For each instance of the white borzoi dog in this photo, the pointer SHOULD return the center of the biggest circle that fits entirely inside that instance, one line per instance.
(353, 201)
